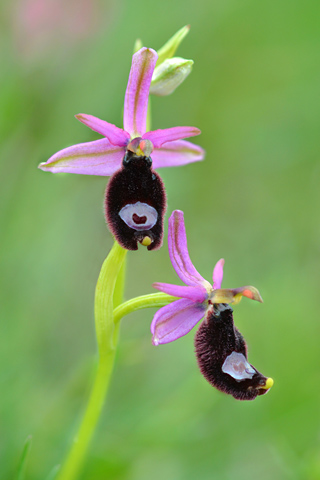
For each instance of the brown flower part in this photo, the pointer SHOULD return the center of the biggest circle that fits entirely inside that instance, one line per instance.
(222, 356)
(135, 204)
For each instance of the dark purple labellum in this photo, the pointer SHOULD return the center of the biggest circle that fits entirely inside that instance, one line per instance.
(135, 204)
(221, 348)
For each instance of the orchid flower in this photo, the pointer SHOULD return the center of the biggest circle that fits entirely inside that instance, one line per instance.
(178, 318)
(104, 157)
(141, 219)
(220, 348)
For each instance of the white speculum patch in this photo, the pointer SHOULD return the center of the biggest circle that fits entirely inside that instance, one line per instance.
(237, 366)
(139, 216)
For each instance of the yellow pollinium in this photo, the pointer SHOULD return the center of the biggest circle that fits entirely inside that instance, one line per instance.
(146, 241)
(269, 383)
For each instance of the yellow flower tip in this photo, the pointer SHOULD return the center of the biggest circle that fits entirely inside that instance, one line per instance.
(269, 383)
(256, 295)
(146, 241)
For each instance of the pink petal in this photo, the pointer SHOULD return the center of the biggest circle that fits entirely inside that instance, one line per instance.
(176, 153)
(137, 93)
(218, 274)
(175, 320)
(196, 294)
(158, 137)
(91, 158)
(115, 135)
(178, 252)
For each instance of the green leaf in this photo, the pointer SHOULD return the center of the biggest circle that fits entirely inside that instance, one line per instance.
(23, 461)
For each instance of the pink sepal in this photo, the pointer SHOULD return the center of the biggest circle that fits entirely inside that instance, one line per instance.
(91, 158)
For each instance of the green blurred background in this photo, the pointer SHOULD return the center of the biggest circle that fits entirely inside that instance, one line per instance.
(254, 93)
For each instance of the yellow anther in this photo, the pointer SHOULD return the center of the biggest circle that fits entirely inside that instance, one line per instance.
(146, 241)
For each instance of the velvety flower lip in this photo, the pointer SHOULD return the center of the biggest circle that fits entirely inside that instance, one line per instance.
(222, 356)
(104, 157)
(178, 318)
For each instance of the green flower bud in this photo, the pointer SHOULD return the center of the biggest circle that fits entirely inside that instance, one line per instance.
(169, 75)
(169, 48)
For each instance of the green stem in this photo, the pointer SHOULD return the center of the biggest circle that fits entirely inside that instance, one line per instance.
(107, 335)
(119, 287)
(109, 293)
(145, 301)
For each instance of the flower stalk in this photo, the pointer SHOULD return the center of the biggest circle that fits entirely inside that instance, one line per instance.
(109, 289)
(108, 312)
(153, 300)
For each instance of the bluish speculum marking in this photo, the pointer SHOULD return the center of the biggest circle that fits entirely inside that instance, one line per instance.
(139, 216)
(237, 366)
